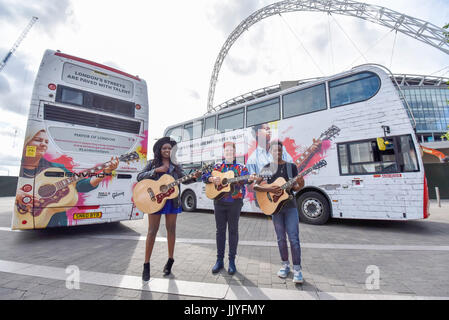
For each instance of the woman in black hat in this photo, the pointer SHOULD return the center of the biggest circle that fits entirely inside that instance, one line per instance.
(162, 164)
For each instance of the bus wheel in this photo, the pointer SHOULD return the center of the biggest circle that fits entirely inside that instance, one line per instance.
(313, 208)
(188, 201)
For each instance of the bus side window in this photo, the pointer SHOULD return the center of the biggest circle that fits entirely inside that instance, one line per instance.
(408, 159)
(209, 126)
(263, 112)
(231, 120)
(175, 134)
(304, 101)
(356, 88)
(187, 132)
(364, 157)
(197, 129)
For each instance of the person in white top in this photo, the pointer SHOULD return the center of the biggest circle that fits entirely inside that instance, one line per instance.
(261, 155)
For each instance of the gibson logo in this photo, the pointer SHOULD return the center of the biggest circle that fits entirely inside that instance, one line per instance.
(116, 194)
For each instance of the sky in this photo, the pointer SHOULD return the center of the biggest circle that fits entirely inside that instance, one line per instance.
(173, 45)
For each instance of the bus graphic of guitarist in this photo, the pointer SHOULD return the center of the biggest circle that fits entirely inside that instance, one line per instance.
(33, 166)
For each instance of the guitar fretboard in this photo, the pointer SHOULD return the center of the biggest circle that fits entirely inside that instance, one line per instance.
(292, 181)
(188, 177)
(180, 180)
(79, 176)
(92, 171)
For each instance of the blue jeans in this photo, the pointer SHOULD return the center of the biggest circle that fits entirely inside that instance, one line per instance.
(286, 223)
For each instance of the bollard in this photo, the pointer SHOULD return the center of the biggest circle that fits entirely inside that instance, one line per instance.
(437, 191)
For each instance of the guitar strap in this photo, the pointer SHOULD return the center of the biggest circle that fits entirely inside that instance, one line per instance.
(289, 170)
(290, 173)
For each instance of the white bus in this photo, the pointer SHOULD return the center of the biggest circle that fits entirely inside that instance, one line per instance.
(82, 114)
(374, 165)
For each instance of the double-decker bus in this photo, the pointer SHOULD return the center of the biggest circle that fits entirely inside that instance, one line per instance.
(363, 130)
(85, 120)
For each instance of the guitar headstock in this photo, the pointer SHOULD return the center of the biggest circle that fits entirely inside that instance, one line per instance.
(264, 176)
(207, 167)
(330, 133)
(319, 165)
(129, 157)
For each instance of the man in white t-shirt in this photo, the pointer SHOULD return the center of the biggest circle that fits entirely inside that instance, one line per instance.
(260, 156)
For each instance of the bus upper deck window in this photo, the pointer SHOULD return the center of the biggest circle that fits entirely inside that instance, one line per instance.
(72, 96)
(209, 126)
(262, 112)
(231, 120)
(304, 101)
(352, 89)
(175, 134)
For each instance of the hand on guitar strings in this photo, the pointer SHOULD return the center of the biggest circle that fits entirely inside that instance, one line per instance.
(299, 184)
(112, 165)
(164, 168)
(215, 180)
(276, 190)
(316, 145)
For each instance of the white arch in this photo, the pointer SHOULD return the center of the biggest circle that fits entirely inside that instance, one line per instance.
(416, 28)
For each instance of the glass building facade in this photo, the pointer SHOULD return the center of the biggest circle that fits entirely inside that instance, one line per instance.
(430, 107)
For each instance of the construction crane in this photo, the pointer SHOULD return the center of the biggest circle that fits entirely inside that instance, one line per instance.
(17, 43)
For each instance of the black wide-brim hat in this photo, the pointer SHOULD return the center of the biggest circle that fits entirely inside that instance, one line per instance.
(158, 145)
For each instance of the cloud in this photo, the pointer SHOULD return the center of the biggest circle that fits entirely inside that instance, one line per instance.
(194, 94)
(227, 15)
(50, 13)
(9, 160)
(241, 66)
(4, 85)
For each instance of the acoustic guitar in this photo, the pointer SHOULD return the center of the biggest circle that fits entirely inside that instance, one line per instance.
(304, 159)
(227, 183)
(55, 190)
(150, 195)
(271, 203)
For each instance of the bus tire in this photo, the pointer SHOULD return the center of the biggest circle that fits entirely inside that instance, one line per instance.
(188, 201)
(313, 208)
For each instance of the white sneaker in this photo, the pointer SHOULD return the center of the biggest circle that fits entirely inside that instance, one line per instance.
(284, 271)
(297, 276)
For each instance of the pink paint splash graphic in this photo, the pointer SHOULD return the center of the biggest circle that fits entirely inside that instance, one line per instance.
(293, 150)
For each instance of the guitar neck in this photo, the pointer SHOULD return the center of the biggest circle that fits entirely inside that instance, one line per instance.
(302, 161)
(79, 176)
(237, 179)
(180, 180)
(292, 181)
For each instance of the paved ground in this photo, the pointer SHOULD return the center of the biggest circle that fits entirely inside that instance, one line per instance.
(338, 259)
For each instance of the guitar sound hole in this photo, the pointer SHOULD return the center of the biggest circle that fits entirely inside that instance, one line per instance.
(163, 189)
(46, 191)
(224, 181)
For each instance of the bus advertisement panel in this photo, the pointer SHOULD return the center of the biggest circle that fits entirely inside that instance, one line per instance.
(355, 121)
(86, 140)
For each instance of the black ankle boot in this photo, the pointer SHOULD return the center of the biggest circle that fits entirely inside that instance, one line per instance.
(146, 272)
(168, 265)
(218, 266)
(232, 269)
